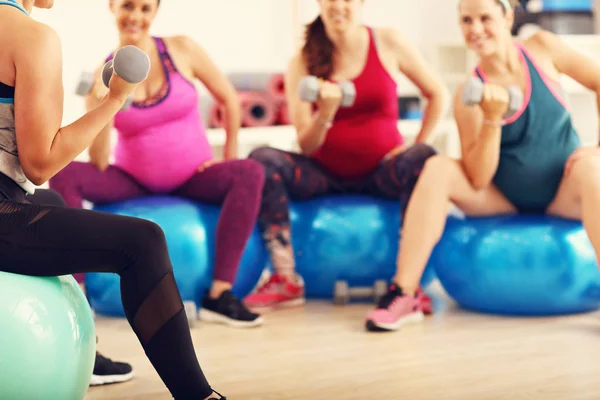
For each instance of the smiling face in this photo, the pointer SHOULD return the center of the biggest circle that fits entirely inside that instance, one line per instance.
(339, 15)
(134, 17)
(485, 25)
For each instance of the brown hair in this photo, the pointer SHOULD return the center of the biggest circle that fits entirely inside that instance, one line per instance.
(318, 50)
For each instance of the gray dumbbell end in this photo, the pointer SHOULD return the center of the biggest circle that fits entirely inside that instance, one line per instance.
(107, 72)
(86, 82)
(130, 63)
(348, 93)
(472, 91)
(473, 94)
(308, 88)
(515, 100)
(127, 104)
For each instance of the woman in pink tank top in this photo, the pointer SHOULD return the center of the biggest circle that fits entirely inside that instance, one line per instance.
(356, 149)
(162, 148)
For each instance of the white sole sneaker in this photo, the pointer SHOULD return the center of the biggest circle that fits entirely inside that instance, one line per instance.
(412, 318)
(211, 316)
(98, 380)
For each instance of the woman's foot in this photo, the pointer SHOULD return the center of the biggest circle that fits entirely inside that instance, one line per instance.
(107, 371)
(394, 310)
(426, 303)
(229, 310)
(277, 292)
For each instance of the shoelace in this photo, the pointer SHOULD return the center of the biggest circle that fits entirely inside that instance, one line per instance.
(235, 305)
(273, 279)
(387, 299)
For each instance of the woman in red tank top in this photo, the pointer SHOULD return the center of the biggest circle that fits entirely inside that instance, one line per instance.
(344, 149)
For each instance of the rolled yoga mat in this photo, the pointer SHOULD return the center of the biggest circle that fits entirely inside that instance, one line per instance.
(258, 109)
(272, 83)
(216, 117)
(283, 117)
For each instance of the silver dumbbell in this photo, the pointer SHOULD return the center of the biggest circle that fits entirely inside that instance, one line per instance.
(86, 83)
(343, 293)
(309, 90)
(473, 93)
(129, 62)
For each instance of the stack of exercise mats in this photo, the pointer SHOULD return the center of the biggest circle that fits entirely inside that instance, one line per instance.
(262, 98)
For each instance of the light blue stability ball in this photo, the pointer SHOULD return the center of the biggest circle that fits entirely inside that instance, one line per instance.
(518, 265)
(48, 340)
(190, 230)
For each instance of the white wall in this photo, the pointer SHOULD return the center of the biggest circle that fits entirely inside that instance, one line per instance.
(250, 35)
(246, 35)
(240, 35)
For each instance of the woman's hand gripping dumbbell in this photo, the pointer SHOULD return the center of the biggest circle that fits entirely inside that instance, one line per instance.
(495, 101)
(329, 96)
(130, 64)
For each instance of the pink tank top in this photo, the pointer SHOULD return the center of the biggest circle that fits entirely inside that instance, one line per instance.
(161, 140)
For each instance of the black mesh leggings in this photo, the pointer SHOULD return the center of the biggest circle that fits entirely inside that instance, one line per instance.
(44, 240)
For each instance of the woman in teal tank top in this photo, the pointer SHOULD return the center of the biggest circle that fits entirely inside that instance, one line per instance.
(530, 162)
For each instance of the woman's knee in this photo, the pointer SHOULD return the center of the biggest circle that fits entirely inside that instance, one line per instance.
(421, 152)
(438, 169)
(47, 197)
(269, 157)
(253, 172)
(148, 246)
(68, 176)
(586, 170)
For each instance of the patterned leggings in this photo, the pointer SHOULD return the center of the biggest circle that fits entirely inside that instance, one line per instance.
(292, 176)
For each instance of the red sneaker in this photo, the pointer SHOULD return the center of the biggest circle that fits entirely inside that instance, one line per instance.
(279, 291)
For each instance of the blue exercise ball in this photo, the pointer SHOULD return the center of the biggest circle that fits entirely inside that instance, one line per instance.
(518, 265)
(190, 229)
(346, 237)
(48, 340)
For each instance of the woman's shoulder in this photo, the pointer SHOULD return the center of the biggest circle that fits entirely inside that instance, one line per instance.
(390, 39)
(182, 43)
(540, 43)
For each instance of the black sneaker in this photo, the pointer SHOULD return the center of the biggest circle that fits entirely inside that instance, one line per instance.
(228, 310)
(107, 371)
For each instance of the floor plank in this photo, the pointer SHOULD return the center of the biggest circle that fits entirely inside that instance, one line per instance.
(322, 352)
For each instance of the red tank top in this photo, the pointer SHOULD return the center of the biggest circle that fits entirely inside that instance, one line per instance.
(363, 134)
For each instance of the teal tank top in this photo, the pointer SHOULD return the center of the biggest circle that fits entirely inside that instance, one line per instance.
(536, 142)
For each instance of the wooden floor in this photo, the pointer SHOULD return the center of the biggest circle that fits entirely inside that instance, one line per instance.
(322, 352)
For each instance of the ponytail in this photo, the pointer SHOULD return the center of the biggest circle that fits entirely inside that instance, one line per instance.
(318, 50)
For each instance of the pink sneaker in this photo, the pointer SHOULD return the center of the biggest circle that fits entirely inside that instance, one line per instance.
(426, 303)
(394, 310)
(278, 291)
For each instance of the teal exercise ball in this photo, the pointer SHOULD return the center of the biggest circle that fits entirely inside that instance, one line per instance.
(48, 340)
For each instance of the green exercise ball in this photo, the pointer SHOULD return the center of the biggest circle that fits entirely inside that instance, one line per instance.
(47, 340)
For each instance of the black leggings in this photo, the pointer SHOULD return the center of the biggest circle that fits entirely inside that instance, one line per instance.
(292, 176)
(51, 240)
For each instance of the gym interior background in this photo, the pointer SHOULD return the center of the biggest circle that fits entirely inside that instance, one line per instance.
(258, 37)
